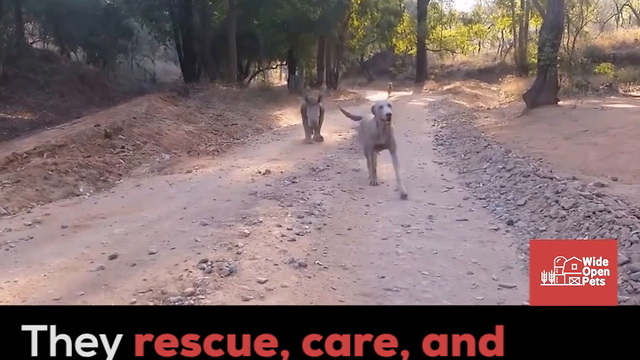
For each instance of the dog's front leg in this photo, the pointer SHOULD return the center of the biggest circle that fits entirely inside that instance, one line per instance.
(373, 177)
(396, 169)
(370, 170)
(318, 136)
(307, 131)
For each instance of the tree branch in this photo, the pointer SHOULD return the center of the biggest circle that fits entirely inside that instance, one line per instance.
(260, 71)
(442, 50)
(539, 8)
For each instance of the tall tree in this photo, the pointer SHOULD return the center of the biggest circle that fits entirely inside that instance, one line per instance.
(522, 59)
(421, 46)
(18, 12)
(206, 47)
(182, 15)
(320, 60)
(2, 42)
(232, 61)
(545, 88)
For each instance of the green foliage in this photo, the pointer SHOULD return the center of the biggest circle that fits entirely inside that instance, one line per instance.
(605, 69)
(404, 35)
(102, 30)
(266, 31)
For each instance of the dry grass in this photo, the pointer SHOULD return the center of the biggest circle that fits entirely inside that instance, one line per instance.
(512, 88)
(621, 48)
(472, 61)
(617, 39)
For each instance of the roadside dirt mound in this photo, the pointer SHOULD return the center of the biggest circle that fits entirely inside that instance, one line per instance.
(473, 93)
(44, 89)
(539, 194)
(148, 135)
(93, 153)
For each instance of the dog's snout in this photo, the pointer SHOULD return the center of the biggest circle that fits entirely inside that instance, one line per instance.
(388, 116)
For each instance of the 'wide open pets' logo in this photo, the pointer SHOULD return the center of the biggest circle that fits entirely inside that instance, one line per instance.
(573, 272)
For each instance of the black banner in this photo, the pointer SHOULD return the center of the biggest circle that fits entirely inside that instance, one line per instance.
(307, 332)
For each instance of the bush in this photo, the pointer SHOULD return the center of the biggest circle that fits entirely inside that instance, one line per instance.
(605, 68)
(595, 53)
(628, 76)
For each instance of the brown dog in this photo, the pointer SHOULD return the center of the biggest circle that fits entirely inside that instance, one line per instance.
(312, 111)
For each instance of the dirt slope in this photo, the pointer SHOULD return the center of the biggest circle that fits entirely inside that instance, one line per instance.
(273, 222)
(145, 136)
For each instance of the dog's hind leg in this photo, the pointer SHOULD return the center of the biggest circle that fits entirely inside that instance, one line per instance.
(399, 182)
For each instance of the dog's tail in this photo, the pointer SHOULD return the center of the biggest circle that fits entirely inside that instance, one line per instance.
(350, 115)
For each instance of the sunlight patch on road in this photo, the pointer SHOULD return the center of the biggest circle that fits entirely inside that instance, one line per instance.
(620, 106)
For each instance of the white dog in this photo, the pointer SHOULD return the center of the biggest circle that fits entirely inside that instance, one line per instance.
(375, 134)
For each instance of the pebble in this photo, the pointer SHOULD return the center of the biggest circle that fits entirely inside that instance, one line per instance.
(152, 251)
(189, 291)
(113, 256)
(246, 298)
(262, 280)
(623, 260)
(634, 267)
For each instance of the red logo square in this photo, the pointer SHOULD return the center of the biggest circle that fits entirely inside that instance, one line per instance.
(573, 272)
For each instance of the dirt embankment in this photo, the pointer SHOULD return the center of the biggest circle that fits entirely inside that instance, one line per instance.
(42, 89)
(564, 172)
(146, 135)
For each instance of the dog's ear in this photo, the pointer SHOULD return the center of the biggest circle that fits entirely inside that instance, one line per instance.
(373, 109)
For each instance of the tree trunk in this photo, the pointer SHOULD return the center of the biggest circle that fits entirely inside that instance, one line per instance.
(335, 67)
(206, 22)
(514, 32)
(232, 70)
(522, 63)
(328, 53)
(421, 54)
(320, 64)
(544, 90)
(2, 44)
(292, 69)
(19, 23)
(181, 15)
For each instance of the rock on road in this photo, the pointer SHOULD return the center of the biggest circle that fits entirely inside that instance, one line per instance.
(273, 222)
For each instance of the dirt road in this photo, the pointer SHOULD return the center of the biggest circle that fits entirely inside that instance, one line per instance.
(277, 222)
